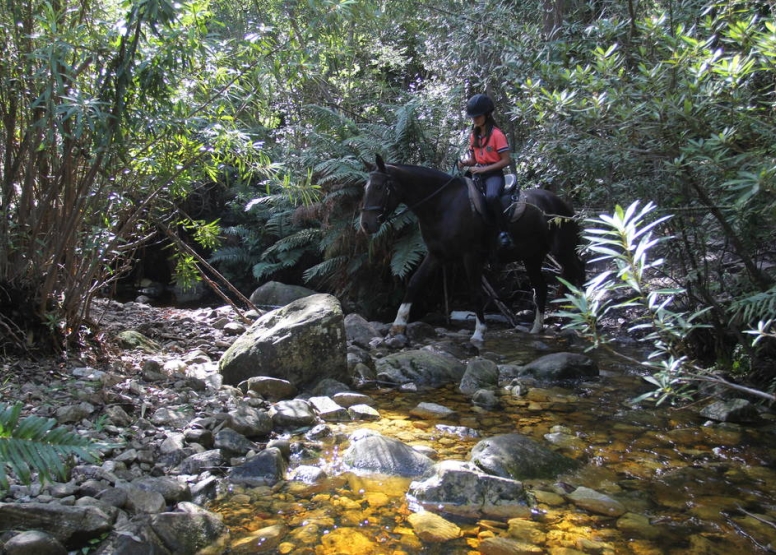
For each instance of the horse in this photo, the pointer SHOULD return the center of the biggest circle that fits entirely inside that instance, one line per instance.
(454, 232)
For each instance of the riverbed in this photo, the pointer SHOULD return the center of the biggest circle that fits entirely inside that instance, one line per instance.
(689, 486)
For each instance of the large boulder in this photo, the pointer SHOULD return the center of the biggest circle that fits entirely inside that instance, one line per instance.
(274, 294)
(302, 342)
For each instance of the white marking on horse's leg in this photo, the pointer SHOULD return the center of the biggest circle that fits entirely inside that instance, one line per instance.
(479, 332)
(402, 316)
(538, 324)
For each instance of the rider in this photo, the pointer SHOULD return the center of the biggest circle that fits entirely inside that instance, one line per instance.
(488, 156)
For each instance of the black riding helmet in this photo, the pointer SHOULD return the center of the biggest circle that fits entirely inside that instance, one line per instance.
(479, 105)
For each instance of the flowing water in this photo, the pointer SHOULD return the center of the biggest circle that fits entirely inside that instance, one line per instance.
(689, 486)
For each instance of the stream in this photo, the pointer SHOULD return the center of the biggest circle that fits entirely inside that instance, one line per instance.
(689, 486)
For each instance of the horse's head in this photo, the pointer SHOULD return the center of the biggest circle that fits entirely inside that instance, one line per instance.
(380, 198)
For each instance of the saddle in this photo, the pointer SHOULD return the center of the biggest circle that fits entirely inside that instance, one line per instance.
(512, 200)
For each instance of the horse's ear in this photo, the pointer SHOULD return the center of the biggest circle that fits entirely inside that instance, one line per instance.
(380, 163)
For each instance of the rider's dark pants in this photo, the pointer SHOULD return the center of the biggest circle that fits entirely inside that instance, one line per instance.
(492, 184)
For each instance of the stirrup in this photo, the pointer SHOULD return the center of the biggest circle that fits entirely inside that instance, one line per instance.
(504, 240)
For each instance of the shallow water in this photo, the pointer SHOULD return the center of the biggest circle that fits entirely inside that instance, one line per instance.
(696, 487)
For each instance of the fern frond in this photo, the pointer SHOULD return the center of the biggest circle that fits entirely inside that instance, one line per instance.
(36, 444)
(302, 238)
(325, 270)
(401, 220)
(341, 170)
(231, 255)
(752, 309)
(280, 223)
(408, 253)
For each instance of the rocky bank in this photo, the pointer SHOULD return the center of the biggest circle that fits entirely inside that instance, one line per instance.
(182, 415)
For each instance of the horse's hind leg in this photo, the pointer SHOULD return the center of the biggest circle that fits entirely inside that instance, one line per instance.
(417, 281)
(534, 269)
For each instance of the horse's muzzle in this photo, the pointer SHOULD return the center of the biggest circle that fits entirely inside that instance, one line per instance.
(371, 220)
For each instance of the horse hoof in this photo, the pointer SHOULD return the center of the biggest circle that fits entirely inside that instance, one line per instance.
(397, 330)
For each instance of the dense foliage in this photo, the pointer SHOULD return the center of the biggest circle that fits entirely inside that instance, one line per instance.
(117, 114)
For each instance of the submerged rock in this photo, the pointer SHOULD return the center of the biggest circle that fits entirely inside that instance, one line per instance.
(375, 453)
(460, 488)
(519, 457)
(731, 410)
(596, 502)
(560, 366)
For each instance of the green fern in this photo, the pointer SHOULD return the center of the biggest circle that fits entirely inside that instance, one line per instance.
(409, 251)
(754, 308)
(36, 444)
(299, 239)
(325, 270)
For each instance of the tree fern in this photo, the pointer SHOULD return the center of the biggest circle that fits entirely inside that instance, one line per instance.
(36, 444)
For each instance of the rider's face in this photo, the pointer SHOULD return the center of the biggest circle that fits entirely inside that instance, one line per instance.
(478, 120)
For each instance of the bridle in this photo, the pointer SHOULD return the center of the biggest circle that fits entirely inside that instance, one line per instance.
(390, 189)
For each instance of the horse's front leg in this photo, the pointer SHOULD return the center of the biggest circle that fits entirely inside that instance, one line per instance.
(539, 286)
(473, 266)
(417, 281)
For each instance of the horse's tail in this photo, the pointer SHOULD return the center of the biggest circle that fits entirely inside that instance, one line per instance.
(565, 240)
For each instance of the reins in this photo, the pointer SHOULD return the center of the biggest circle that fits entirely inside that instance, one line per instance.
(409, 208)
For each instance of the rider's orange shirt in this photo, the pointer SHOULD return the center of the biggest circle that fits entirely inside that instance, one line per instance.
(491, 147)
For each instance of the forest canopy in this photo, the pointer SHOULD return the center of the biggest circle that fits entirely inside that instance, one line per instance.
(243, 129)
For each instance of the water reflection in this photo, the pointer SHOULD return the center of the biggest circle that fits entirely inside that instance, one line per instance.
(688, 487)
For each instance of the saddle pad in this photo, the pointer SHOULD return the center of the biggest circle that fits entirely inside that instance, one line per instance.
(476, 198)
(517, 207)
(514, 210)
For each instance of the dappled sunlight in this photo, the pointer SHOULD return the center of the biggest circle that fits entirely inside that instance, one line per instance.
(683, 483)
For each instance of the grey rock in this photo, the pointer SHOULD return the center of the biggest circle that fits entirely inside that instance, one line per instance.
(200, 462)
(374, 453)
(296, 413)
(460, 488)
(171, 489)
(560, 366)
(250, 421)
(191, 531)
(480, 373)
(731, 410)
(519, 457)
(232, 443)
(486, 399)
(34, 542)
(302, 342)
(422, 367)
(266, 468)
(271, 389)
(66, 524)
(359, 331)
(275, 294)
(329, 411)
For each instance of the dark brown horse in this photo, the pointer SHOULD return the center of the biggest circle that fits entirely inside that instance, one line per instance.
(454, 232)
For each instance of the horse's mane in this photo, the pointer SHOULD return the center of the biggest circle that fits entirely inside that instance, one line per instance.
(421, 171)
